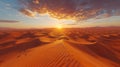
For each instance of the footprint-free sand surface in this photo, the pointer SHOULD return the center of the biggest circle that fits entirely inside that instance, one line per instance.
(68, 49)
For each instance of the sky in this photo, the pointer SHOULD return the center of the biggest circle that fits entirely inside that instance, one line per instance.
(53, 13)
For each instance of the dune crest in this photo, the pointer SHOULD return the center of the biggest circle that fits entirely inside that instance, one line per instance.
(69, 48)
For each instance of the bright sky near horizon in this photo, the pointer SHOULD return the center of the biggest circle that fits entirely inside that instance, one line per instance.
(16, 14)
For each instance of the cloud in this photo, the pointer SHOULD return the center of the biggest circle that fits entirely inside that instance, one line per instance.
(71, 9)
(9, 21)
(27, 12)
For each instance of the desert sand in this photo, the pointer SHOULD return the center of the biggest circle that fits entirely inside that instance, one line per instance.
(70, 47)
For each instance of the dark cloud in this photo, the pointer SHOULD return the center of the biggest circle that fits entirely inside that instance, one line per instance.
(72, 9)
(8, 21)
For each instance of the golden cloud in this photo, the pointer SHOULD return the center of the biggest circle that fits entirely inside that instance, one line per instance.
(71, 9)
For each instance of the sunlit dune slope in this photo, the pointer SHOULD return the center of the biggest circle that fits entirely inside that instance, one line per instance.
(69, 48)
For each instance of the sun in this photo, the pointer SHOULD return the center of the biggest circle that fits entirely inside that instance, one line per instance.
(59, 27)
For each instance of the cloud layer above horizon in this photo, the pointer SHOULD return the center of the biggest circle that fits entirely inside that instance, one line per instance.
(9, 21)
(71, 9)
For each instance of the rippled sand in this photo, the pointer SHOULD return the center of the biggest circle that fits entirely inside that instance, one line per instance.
(90, 47)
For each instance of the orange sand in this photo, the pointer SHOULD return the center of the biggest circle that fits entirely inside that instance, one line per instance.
(69, 48)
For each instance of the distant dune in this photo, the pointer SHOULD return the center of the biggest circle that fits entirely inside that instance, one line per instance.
(70, 47)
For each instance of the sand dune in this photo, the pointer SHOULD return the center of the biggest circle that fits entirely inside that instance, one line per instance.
(50, 55)
(68, 48)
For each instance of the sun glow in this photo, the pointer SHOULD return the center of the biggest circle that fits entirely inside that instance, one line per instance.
(59, 27)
